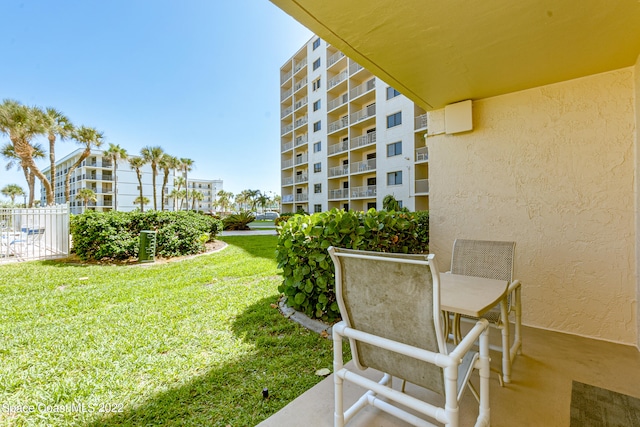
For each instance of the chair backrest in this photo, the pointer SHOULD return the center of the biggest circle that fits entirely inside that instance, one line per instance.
(394, 296)
(483, 258)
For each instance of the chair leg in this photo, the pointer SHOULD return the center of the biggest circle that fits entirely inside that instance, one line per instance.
(506, 358)
(517, 342)
(338, 412)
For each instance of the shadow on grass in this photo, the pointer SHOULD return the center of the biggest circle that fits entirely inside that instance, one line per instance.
(263, 246)
(284, 360)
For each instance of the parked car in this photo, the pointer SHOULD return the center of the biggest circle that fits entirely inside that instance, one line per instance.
(267, 216)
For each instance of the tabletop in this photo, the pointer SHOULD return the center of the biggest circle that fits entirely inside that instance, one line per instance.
(468, 295)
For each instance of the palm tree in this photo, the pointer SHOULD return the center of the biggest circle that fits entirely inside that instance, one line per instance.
(277, 199)
(196, 196)
(136, 164)
(152, 155)
(8, 151)
(263, 200)
(224, 200)
(55, 124)
(91, 138)
(167, 163)
(178, 182)
(11, 191)
(186, 166)
(86, 195)
(142, 201)
(115, 153)
(21, 124)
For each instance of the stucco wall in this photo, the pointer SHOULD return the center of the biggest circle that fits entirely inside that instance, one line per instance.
(637, 95)
(553, 169)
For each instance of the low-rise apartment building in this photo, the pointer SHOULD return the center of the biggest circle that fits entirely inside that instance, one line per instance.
(119, 191)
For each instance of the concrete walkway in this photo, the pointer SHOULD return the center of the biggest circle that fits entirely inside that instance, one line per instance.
(253, 232)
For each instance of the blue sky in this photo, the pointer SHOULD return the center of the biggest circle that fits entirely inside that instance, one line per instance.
(200, 78)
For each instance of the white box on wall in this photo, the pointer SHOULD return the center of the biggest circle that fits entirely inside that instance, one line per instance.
(458, 117)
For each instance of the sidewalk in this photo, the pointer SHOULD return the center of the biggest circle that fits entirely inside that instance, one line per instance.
(254, 232)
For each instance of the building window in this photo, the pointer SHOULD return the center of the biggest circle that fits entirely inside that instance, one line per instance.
(394, 149)
(316, 44)
(317, 188)
(317, 146)
(316, 84)
(317, 167)
(317, 208)
(394, 178)
(316, 64)
(316, 105)
(317, 126)
(394, 119)
(392, 93)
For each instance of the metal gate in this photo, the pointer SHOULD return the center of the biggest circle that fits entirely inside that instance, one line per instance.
(34, 233)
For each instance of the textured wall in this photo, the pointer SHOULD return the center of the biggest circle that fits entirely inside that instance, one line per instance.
(553, 169)
(637, 95)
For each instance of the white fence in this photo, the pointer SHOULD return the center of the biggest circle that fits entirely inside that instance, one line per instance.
(32, 234)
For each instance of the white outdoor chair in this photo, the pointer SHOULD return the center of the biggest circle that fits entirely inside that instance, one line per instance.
(26, 242)
(492, 260)
(390, 306)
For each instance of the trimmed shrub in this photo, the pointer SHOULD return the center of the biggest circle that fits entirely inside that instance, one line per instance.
(308, 272)
(238, 221)
(115, 235)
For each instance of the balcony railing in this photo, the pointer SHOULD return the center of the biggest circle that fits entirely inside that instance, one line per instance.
(287, 181)
(302, 197)
(341, 193)
(335, 103)
(366, 139)
(287, 163)
(300, 103)
(422, 154)
(365, 87)
(302, 178)
(422, 186)
(362, 192)
(338, 148)
(301, 159)
(334, 58)
(286, 129)
(421, 122)
(355, 67)
(286, 112)
(338, 124)
(287, 198)
(299, 65)
(364, 166)
(287, 146)
(338, 171)
(366, 112)
(99, 177)
(301, 121)
(286, 76)
(302, 139)
(287, 93)
(299, 84)
(337, 79)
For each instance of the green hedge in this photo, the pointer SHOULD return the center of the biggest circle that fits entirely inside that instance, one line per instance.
(115, 235)
(307, 269)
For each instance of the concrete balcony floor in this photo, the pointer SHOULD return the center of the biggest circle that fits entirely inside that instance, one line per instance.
(539, 393)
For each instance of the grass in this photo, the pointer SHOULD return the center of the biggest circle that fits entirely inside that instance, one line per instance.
(188, 343)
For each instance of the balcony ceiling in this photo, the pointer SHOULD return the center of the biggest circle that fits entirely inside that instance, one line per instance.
(439, 52)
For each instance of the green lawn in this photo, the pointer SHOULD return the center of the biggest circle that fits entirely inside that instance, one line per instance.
(192, 342)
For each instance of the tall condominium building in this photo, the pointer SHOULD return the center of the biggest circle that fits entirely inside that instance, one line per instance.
(121, 190)
(347, 138)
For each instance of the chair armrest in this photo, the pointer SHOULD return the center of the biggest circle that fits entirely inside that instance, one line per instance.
(469, 339)
(513, 286)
